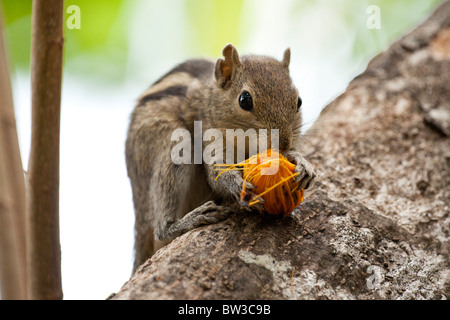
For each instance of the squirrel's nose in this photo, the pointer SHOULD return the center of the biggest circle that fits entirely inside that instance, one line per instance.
(285, 143)
(284, 148)
(280, 139)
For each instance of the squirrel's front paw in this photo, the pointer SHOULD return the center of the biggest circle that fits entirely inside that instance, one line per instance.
(306, 174)
(236, 184)
(210, 212)
(244, 193)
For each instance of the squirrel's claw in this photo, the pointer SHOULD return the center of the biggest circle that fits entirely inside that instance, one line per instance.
(306, 174)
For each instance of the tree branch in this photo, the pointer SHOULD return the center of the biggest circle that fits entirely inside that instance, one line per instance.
(44, 256)
(376, 223)
(12, 193)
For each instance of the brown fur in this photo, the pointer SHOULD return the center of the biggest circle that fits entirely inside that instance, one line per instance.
(167, 196)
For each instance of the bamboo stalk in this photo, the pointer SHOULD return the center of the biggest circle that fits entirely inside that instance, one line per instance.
(43, 246)
(12, 193)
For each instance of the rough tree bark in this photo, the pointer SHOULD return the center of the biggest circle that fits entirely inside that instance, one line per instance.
(376, 223)
(43, 247)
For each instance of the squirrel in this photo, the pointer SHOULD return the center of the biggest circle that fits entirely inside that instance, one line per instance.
(245, 92)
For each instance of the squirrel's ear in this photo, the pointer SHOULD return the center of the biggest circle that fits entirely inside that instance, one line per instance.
(226, 68)
(286, 58)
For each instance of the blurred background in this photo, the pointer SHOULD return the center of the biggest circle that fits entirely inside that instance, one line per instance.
(121, 47)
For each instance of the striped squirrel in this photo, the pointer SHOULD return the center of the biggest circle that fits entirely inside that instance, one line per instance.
(235, 92)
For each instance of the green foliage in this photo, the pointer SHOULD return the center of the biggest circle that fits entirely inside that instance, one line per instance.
(100, 49)
(213, 24)
(100, 46)
(16, 18)
(397, 17)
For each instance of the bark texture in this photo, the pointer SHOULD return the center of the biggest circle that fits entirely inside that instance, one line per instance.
(43, 247)
(376, 223)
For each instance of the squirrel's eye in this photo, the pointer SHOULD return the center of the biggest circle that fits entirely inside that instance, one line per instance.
(299, 103)
(246, 101)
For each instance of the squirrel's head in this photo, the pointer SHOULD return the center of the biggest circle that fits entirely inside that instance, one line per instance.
(257, 92)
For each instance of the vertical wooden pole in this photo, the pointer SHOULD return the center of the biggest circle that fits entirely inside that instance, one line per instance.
(43, 246)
